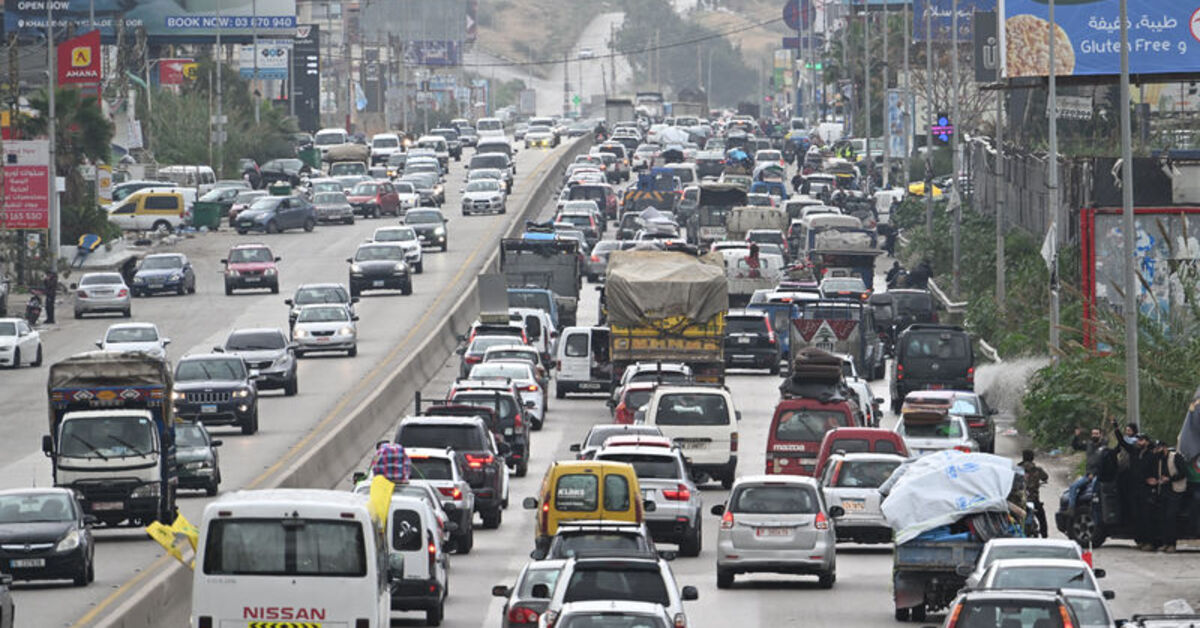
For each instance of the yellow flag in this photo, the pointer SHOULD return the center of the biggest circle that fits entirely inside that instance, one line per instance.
(185, 527)
(166, 538)
(381, 499)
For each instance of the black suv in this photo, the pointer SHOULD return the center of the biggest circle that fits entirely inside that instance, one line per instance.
(216, 389)
(932, 357)
(480, 457)
(750, 342)
(513, 422)
(379, 266)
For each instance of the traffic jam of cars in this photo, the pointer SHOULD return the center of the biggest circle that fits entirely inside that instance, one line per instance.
(630, 314)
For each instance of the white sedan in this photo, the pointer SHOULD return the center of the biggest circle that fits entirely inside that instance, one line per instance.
(19, 343)
(323, 327)
(135, 337)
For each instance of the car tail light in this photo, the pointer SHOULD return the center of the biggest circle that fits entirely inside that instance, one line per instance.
(453, 492)
(899, 372)
(977, 423)
(595, 258)
(727, 520)
(518, 420)
(770, 334)
(473, 359)
(432, 557)
(934, 318)
(476, 461)
(124, 293)
(521, 615)
(81, 293)
(545, 517)
(954, 616)
(1066, 616)
(680, 620)
(733, 442)
(966, 449)
(821, 523)
(679, 494)
(971, 374)
(530, 388)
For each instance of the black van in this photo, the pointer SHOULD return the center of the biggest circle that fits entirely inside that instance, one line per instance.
(932, 357)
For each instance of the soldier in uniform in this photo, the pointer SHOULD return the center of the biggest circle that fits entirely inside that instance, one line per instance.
(1034, 477)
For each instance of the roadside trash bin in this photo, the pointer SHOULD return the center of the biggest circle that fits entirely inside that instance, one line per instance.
(206, 214)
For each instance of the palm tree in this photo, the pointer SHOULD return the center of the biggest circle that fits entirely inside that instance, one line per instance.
(83, 134)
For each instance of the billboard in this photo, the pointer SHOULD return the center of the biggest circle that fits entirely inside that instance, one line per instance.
(897, 123)
(987, 47)
(79, 60)
(165, 21)
(26, 185)
(273, 55)
(941, 16)
(176, 71)
(1164, 37)
(435, 53)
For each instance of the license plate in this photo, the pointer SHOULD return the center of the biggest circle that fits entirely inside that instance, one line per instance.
(692, 445)
(743, 341)
(157, 285)
(589, 386)
(208, 409)
(855, 505)
(319, 340)
(27, 563)
(378, 283)
(253, 279)
(107, 505)
(772, 532)
(936, 386)
(508, 431)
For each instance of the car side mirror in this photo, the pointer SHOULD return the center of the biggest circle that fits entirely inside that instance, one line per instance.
(1109, 595)
(541, 591)
(575, 447)
(501, 591)
(91, 520)
(47, 445)
(354, 317)
(354, 299)
(649, 506)
(718, 510)
(1099, 573)
(217, 443)
(223, 261)
(349, 260)
(529, 503)
(503, 448)
(460, 350)
(689, 594)
(99, 344)
(531, 404)
(836, 511)
(738, 414)
(288, 302)
(396, 566)
(538, 554)
(166, 341)
(279, 259)
(878, 401)
(218, 349)
(993, 411)
(358, 476)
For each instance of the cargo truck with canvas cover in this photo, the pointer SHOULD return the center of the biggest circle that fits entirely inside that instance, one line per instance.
(840, 326)
(545, 264)
(709, 223)
(112, 435)
(665, 306)
(844, 252)
(743, 219)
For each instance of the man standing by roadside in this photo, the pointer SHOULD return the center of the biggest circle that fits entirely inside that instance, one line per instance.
(1148, 504)
(50, 285)
(1034, 477)
(1174, 484)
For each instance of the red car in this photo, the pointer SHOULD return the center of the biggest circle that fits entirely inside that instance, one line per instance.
(633, 397)
(251, 266)
(797, 429)
(372, 199)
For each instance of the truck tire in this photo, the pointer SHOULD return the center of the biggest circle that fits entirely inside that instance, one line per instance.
(724, 578)
(918, 613)
(901, 614)
(433, 616)
(826, 580)
(465, 542)
(492, 518)
(251, 426)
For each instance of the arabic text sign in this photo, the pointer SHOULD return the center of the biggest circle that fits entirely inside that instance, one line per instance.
(941, 17)
(1164, 37)
(26, 185)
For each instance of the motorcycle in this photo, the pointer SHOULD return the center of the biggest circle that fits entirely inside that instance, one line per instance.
(33, 309)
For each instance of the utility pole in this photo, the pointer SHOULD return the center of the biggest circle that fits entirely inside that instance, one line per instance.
(55, 236)
(866, 184)
(907, 95)
(220, 125)
(1132, 387)
(929, 116)
(1001, 190)
(254, 36)
(887, 127)
(566, 85)
(956, 189)
(612, 60)
(1052, 190)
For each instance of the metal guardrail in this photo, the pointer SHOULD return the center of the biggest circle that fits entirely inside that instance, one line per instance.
(960, 307)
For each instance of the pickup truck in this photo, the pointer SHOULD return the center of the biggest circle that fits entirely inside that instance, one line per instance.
(927, 574)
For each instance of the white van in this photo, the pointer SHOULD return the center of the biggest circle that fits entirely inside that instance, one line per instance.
(489, 127)
(584, 365)
(413, 535)
(188, 176)
(291, 555)
(326, 139)
(702, 421)
(539, 329)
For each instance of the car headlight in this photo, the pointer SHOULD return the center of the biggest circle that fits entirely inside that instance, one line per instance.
(232, 273)
(178, 395)
(300, 333)
(139, 279)
(145, 490)
(440, 231)
(437, 189)
(176, 276)
(346, 331)
(355, 268)
(270, 272)
(400, 267)
(280, 361)
(69, 542)
(241, 393)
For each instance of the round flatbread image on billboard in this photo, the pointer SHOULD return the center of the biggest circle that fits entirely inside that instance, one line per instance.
(1028, 47)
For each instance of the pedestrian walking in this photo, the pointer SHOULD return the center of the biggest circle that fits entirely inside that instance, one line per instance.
(50, 285)
(1034, 477)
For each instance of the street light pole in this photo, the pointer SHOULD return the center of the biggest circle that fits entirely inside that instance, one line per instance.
(887, 128)
(956, 191)
(867, 95)
(220, 124)
(1132, 389)
(907, 95)
(1052, 187)
(55, 235)
(254, 91)
(929, 115)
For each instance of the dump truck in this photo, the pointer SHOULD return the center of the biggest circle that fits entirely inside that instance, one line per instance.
(708, 223)
(536, 265)
(112, 435)
(657, 188)
(667, 306)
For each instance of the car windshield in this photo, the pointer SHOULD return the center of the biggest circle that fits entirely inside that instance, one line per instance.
(422, 218)
(500, 370)
(245, 197)
(162, 262)
(250, 255)
(659, 377)
(377, 253)
(215, 195)
(330, 548)
(329, 139)
(456, 437)
(385, 142)
(101, 280)
(611, 619)
(965, 406)
(481, 343)
(912, 302)
(365, 189)
(1009, 614)
(131, 334)
(331, 186)
(8, 328)
(865, 473)
(574, 543)
(808, 425)
(483, 185)
(692, 409)
(323, 314)
(209, 369)
(266, 203)
(515, 354)
(1090, 611)
(424, 468)
(648, 466)
(778, 499)
(617, 583)
(507, 410)
(256, 341)
(847, 285)
(190, 435)
(320, 294)
(932, 429)
(483, 173)
(745, 325)
(1033, 550)
(31, 508)
(405, 187)
(106, 437)
(1042, 577)
(599, 434)
(395, 234)
(329, 198)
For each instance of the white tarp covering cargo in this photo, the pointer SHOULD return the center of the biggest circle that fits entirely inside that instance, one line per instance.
(651, 285)
(941, 488)
(837, 240)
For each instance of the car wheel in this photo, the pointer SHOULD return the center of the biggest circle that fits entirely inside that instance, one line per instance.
(353, 351)
(537, 425)
(727, 482)
(127, 313)
(724, 578)
(465, 541)
(78, 315)
(692, 544)
(16, 363)
(559, 393)
(419, 267)
(309, 224)
(445, 245)
(522, 469)
(181, 290)
(81, 579)
(241, 232)
(918, 613)
(827, 579)
(504, 209)
(901, 614)
(275, 288)
(354, 292)
(37, 359)
(228, 289)
(774, 367)
(299, 353)
(251, 424)
(292, 386)
(407, 289)
(896, 403)
(433, 616)
(492, 518)
(192, 288)
(211, 489)
(161, 225)
(91, 570)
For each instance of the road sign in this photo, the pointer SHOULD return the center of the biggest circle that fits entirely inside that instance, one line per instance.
(575, 100)
(791, 14)
(943, 129)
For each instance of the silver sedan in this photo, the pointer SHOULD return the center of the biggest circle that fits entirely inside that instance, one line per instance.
(852, 481)
(102, 292)
(325, 328)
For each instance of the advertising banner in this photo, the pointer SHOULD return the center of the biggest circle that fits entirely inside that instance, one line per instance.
(26, 185)
(987, 47)
(176, 71)
(79, 60)
(435, 53)
(273, 55)
(306, 76)
(941, 16)
(1164, 37)
(165, 21)
(897, 123)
